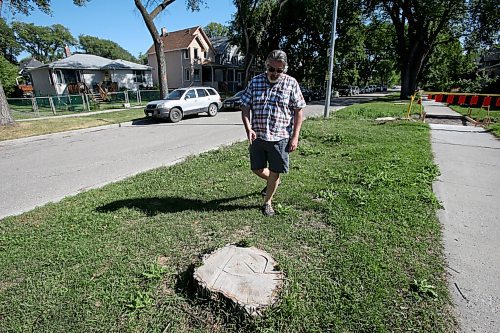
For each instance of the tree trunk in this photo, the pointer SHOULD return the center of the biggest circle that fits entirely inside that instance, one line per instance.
(248, 64)
(411, 68)
(162, 67)
(158, 42)
(408, 81)
(5, 111)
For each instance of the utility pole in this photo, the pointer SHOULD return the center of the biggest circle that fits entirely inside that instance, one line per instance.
(330, 69)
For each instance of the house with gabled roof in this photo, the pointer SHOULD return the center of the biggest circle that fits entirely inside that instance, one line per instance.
(195, 59)
(88, 73)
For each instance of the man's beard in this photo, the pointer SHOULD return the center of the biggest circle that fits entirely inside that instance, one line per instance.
(271, 80)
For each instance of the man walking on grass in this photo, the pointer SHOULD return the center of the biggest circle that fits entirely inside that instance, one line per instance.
(274, 101)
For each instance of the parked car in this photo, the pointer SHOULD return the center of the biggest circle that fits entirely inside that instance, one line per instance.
(355, 90)
(307, 93)
(318, 93)
(185, 101)
(345, 90)
(233, 102)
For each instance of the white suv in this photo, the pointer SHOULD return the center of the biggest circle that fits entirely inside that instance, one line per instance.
(185, 101)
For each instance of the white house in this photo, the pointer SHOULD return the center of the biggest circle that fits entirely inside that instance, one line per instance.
(85, 71)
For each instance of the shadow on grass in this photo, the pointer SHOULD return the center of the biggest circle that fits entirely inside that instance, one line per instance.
(153, 206)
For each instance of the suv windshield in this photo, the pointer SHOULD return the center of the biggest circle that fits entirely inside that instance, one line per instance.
(175, 95)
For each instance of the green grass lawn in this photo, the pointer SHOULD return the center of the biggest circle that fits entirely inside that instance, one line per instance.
(356, 235)
(54, 125)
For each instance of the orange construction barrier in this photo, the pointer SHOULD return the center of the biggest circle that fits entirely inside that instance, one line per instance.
(439, 98)
(486, 106)
(473, 100)
(461, 99)
(449, 99)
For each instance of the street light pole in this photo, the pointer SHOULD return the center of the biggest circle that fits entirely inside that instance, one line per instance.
(330, 69)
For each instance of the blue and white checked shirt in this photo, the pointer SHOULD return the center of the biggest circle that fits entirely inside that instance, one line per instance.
(273, 105)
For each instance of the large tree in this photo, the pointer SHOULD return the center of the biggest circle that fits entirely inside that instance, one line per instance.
(157, 7)
(104, 48)
(379, 64)
(482, 24)
(215, 29)
(419, 24)
(253, 18)
(9, 46)
(46, 44)
(21, 6)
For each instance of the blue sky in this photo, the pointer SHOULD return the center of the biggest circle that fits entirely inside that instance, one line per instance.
(121, 22)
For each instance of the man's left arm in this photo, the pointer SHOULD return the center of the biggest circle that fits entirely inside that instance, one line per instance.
(297, 124)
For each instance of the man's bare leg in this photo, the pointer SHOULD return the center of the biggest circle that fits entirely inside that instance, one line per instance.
(262, 173)
(272, 183)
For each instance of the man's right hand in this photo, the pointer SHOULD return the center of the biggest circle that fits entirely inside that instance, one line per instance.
(251, 135)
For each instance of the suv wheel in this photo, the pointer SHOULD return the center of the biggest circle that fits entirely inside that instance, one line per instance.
(175, 115)
(212, 110)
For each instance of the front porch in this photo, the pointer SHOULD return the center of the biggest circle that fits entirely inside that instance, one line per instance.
(222, 78)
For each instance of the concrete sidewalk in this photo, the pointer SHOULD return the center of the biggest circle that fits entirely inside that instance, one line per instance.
(439, 110)
(469, 189)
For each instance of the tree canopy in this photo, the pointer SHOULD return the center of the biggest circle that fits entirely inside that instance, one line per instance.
(25, 7)
(214, 29)
(104, 48)
(46, 44)
(9, 46)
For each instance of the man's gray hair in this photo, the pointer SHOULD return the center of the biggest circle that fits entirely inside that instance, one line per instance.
(277, 55)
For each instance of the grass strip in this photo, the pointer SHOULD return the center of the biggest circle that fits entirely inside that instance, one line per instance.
(55, 125)
(356, 235)
(479, 114)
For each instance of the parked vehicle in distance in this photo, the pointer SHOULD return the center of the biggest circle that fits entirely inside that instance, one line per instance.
(355, 90)
(233, 102)
(318, 93)
(345, 90)
(307, 93)
(185, 101)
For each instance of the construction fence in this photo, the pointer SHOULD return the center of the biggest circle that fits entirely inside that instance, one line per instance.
(37, 107)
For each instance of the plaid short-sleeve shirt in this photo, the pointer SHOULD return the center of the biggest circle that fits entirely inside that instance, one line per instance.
(273, 105)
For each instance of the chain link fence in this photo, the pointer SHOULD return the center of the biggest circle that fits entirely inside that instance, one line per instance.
(37, 107)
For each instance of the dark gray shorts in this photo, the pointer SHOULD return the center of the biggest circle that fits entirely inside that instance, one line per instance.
(273, 152)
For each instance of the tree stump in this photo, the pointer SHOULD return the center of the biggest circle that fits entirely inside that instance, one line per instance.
(244, 275)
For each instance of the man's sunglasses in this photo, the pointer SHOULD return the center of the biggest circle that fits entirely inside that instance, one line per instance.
(272, 70)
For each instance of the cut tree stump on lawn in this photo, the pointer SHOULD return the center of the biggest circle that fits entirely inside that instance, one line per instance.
(244, 275)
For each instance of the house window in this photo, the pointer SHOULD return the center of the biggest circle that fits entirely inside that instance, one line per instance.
(59, 77)
(187, 75)
(139, 76)
(196, 56)
(185, 53)
(65, 76)
(196, 75)
(205, 55)
(239, 77)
